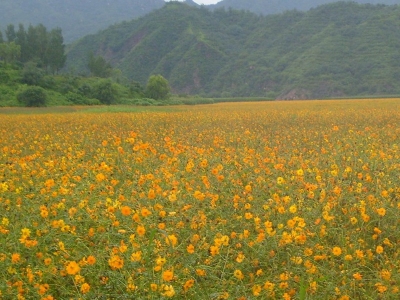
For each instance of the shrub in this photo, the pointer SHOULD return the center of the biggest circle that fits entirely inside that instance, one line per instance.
(106, 92)
(33, 96)
(157, 88)
(32, 75)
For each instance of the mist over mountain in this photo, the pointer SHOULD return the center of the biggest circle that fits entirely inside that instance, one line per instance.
(338, 49)
(277, 6)
(76, 18)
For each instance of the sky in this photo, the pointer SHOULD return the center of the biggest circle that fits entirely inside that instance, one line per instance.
(205, 1)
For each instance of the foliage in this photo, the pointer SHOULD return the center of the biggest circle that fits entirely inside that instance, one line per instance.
(105, 92)
(9, 52)
(336, 50)
(236, 201)
(33, 96)
(157, 88)
(31, 74)
(98, 66)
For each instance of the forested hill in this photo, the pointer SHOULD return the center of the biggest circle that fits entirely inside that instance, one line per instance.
(277, 6)
(75, 17)
(78, 18)
(338, 49)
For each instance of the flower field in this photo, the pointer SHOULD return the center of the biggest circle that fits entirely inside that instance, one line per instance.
(275, 200)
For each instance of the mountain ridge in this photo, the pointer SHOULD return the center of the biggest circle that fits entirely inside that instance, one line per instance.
(79, 18)
(338, 49)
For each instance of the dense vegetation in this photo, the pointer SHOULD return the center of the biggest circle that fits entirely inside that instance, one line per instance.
(339, 49)
(29, 64)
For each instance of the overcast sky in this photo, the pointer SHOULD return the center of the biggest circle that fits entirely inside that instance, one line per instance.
(204, 1)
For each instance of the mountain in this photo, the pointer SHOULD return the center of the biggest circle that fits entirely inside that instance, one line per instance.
(266, 7)
(338, 49)
(76, 18)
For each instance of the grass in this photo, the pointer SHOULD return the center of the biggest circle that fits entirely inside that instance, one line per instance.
(263, 200)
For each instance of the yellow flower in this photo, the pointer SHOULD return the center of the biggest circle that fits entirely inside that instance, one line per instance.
(200, 272)
(126, 210)
(141, 230)
(240, 257)
(238, 274)
(190, 249)
(214, 250)
(116, 262)
(168, 291)
(168, 275)
(136, 256)
(337, 251)
(171, 240)
(73, 268)
(91, 260)
(85, 288)
(381, 211)
(379, 249)
(15, 258)
(256, 289)
(188, 284)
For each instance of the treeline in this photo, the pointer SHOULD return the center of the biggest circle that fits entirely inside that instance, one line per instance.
(29, 64)
(35, 44)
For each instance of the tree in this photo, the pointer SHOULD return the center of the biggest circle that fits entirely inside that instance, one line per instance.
(20, 39)
(36, 41)
(31, 74)
(106, 92)
(98, 66)
(10, 33)
(9, 52)
(55, 54)
(33, 96)
(157, 88)
(1, 38)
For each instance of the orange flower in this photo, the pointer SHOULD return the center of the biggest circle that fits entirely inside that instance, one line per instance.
(171, 240)
(214, 250)
(238, 274)
(381, 211)
(168, 275)
(91, 260)
(85, 288)
(141, 230)
(73, 268)
(126, 210)
(188, 284)
(116, 262)
(337, 251)
(190, 249)
(15, 258)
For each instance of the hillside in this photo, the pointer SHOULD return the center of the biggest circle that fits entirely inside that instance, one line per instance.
(76, 18)
(79, 18)
(277, 6)
(339, 49)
